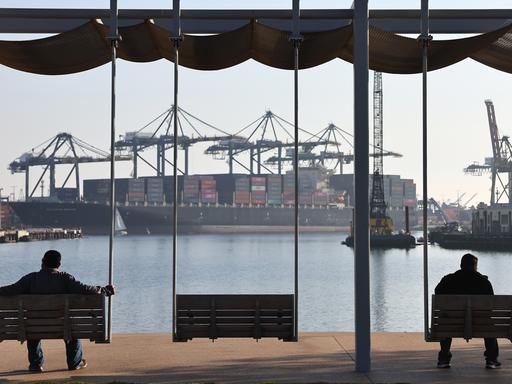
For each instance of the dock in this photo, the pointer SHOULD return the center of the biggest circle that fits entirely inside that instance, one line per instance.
(38, 234)
(317, 357)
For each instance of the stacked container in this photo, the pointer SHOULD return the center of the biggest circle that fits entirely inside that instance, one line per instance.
(97, 190)
(409, 193)
(307, 185)
(191, 190)
(274, 190)
(258, 190)
(242, 190)
(208, 190)
(155, 190)
(396, 198)
(289, 189)
(320, 198)
(136, 189)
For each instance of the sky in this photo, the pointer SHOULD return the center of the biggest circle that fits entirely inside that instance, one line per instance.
(35, 108)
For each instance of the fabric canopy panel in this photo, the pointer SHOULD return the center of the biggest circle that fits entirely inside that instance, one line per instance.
(87, 47)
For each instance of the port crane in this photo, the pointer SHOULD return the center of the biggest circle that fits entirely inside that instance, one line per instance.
(267, 133)
(499, 164)
(331, 136)
(59, 150)
(160, 138)
(380, 222)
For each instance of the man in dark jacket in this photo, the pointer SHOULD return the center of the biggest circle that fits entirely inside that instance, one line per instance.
(467, 281)
(49, 281)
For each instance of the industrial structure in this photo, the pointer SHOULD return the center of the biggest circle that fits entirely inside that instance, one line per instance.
(499, 165)
(59, 150)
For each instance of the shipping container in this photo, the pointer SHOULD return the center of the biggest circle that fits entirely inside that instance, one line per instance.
(320, 198)
(242, 197)
(208, 197)
(258, 198)
(305, 199)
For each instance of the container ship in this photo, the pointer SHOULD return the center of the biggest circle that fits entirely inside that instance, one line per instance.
(209, 203)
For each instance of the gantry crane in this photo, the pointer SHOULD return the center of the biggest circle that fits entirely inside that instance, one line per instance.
(330, 138)
(500, 163)
(161, 138)
(61, 149)
(380, 223)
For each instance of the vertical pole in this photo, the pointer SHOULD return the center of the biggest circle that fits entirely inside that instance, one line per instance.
(52, 178)
(77, 179)
(425, 38)
(114, 38)
(135, 155)
(158, 158)
(27, 183)
(176, 40)
(279, 156)
(251, 160)
(296, 40)
(361, 167)
(186, 159)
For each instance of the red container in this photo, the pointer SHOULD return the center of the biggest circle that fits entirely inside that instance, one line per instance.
(242, 197)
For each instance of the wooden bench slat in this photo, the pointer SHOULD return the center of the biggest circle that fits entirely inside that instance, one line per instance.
(254, 316)
(234, 320)
(52, 317)
(234, 312)
(471, 316)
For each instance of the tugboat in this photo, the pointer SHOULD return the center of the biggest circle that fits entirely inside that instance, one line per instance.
(381, 225)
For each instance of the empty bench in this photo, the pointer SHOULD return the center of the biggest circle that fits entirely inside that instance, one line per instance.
(246, 316)
(471, 316)
(35, 317)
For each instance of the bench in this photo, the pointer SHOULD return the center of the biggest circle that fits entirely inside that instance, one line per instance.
(35, 317)
(471, 316)
(247, 316)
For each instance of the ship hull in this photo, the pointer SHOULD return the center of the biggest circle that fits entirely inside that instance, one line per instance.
(94, 219)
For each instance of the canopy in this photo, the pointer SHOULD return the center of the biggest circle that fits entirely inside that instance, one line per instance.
(87, 47)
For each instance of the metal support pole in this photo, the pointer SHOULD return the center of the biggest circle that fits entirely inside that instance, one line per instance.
(361, 168)
(176, 39)
(279, 161)
(135, 156)
(424, 39)
(230, 157)
(114, 38)
(258, 159)
(77, 180)
(251, 160)
(52, 178)
(186, 159)
(27, 183)
(296, 39)
(158, 158)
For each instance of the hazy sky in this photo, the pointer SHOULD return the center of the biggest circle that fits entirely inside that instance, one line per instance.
(34, 108)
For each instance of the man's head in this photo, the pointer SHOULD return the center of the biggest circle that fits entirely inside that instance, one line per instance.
(469, 262)
(51, 259)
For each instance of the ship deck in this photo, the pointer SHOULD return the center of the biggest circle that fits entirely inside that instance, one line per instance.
(317, 357)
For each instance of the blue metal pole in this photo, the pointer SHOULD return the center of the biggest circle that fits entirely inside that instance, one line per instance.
(114, 38)
(361, 168)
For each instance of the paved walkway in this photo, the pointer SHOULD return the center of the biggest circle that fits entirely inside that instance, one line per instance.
(317, 357)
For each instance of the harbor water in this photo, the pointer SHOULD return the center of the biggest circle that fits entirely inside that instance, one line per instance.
(254, 263)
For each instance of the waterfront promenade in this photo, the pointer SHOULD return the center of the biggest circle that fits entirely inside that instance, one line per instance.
(317, 357)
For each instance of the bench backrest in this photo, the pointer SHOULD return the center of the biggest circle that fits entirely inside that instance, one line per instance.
(471, 316)
(34, 317)
(217, 316)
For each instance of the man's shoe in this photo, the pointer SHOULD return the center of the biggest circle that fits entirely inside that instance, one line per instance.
(492, 364)
(443, 364)
(81, 365)
(35, 368)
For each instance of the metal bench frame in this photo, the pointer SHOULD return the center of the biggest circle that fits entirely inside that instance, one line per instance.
(471, 316)
(214, 316)
(67, 317)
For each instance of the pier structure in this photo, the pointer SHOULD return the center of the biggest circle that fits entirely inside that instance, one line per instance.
(390, 53)
(38, 234)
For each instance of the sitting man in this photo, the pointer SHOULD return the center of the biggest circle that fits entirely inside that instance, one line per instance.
(467, 281)
(48, 281)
